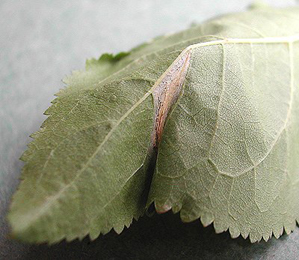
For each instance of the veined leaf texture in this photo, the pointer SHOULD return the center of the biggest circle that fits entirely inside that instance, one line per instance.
(204, 122)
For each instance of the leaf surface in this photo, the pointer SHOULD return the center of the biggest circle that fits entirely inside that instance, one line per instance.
(220, 111)
(229, 151)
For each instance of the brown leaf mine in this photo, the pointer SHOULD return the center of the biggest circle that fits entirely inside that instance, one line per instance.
(166, 93)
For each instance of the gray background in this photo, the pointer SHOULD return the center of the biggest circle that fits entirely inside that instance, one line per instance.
(40, 43)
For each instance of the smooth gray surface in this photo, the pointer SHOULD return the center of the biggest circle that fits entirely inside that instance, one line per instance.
(40, 43)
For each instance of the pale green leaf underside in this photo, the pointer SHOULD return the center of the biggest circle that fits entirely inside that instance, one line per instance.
(228, 153)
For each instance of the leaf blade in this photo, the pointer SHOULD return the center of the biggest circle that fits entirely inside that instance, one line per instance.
(94, 143)
(250, 192)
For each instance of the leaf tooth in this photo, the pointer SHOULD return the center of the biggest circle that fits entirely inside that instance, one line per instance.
(254, 236)
(69, 238)
(266, 237)
(129, 222)
(219, 226)
(84, 235)
(206, 219)
(189, 214)
(245, 234)
(234, 231)
(177, 208)
(162, 208)
(118, 228)
(278, 231)
(94, 234)
(289, 228)
(244, 230)
(35, 135)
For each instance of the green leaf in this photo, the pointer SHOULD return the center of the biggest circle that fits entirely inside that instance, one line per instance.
(84, 170)
(230, 150)
(222, 147)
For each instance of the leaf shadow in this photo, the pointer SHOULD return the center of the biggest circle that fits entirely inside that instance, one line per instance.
(158, 237)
